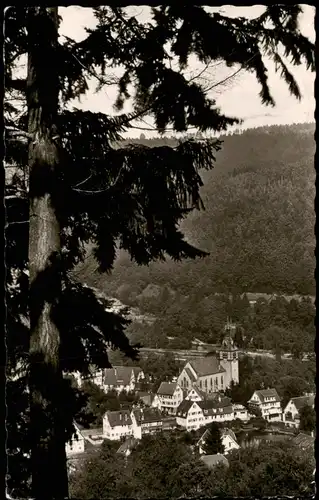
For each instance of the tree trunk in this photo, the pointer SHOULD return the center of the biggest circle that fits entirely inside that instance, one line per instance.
(48, 458)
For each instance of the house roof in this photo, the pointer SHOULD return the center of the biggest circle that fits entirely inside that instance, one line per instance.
(123, 374)
(216, 402)
(167, 388)
(224, 432)
(129, 444)
(109, 376)
(267, 393)
(198, 391)
(136, 370)
(117, 418)
(147, 415)
(92, 432)
(120, 375)
(228, 432)
(184, 407)
(304, 441)
(213, 460)
(207, 366)
(302, 401)
(190, 374)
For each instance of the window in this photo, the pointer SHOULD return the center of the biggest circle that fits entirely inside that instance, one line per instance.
(206, 383)
(222, 380)
(211, 382)
(200, 384)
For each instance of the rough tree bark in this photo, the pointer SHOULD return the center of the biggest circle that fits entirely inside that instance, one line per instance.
(48, 458)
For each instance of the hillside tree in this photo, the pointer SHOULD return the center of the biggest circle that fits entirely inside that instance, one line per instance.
(212, 443)
(69, 179)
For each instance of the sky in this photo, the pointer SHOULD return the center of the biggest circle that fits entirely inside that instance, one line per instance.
(238, 98)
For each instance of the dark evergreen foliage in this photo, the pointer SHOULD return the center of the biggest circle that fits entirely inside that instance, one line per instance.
(95, 179)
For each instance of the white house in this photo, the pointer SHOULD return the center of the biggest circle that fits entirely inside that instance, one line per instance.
(76, 445)
(212, 460)
(168, 397)
(268, 402)
(122, 378)
(95, 376)
(127, 447)
(291, 415)
(195, 414)
(146, 421)
(117, 424)
(241, 412)
(228, 439)
(195, 394)
(190, 415)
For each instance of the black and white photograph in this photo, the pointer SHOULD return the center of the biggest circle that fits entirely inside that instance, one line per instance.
(159, 233)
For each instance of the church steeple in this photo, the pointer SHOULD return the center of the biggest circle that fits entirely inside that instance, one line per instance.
(228, 353)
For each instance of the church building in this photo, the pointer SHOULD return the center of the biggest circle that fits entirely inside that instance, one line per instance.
(212, 373)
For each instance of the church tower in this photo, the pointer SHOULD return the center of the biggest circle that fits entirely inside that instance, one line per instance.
(228, 356)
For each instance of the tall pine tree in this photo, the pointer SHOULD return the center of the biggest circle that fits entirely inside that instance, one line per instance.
(69, 182)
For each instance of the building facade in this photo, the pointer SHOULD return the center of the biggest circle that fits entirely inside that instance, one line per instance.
(291, 413)
(168, 397)
(117, 424)
(268, 402)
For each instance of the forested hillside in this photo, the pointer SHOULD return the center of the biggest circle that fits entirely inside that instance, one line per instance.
(258, 223)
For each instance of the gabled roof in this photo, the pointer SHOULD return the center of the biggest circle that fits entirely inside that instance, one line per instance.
(136, 370)
(190, 374)
(213, 460)
(109, 377)
(118, 418)
(228, 432)
(304, 441)
(167, 389)
(147, 415)
(223, 432)
(206, 366)
(215, 402)
(268, 393)
(302, 401)
(184, 407)
(200, 393)
(128, 445)
(123, 374)
(120, 375)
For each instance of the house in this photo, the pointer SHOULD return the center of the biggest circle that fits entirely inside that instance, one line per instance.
(117, 424)
(219, 409)
(128, 446)
(76, 445)
(291, 414)
(122, 378)
(195, 414)
(268, 402)
(189, 415)
(212, 460)
(228, 438)
(146, 398)
(93, 437)
(95, 376)
(241, 412)
(304, 442)
(169, 423)
(195, 394)
(146, 421)
(168, 397)
(212, 373)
